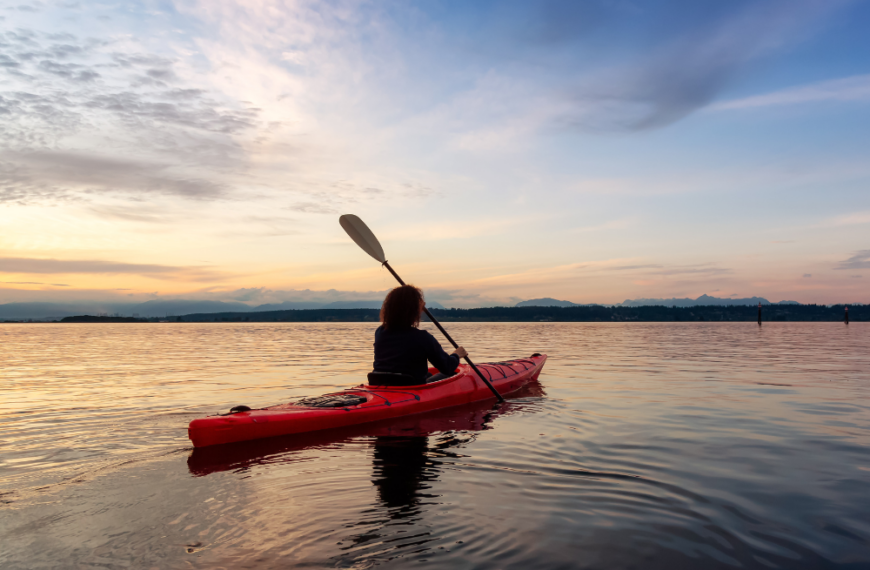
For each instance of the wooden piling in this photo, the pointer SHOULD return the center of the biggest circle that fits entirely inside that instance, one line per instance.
(759, 313)
(846, 319)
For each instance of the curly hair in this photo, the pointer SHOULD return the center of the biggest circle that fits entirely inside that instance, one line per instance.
(401, 308)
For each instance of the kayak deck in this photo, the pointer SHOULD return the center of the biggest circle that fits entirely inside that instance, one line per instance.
(376, 403)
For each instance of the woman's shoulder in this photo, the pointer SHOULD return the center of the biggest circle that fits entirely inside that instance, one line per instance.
(423, 335)
(412, 332)
(408, 331)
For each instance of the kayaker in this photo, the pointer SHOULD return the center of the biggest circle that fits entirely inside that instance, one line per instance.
(401, 347)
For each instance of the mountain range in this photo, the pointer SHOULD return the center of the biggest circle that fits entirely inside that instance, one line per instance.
(703, 300)
(51, 311)
(159, 308)
(673, 302)
(547, 302)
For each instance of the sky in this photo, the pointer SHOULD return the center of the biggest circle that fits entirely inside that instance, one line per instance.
(591, 151)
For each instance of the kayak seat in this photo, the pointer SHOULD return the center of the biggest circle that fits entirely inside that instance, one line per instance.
(392, 379)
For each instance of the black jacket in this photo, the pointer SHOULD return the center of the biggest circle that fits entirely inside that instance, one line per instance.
(407, 350)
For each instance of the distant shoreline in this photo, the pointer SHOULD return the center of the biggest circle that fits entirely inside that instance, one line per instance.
(100, 319)
(649, 313)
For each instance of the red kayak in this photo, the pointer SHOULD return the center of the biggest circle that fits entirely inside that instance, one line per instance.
(366, 403)
(476, 416)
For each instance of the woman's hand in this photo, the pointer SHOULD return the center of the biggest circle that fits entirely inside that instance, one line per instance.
(460, 352)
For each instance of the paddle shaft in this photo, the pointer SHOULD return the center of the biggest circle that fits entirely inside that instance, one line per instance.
(449, 338)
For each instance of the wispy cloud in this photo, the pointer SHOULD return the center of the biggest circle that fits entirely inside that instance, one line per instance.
(266, 295)
(861, 260)
(688, 73)
(636, 267)
(84, 117)
(34, 283)
(33, 266)
(856, 88)
(577, 271)
(38, 173)
(266, 97)
(133, 213)
(778, 173)
(708, 269)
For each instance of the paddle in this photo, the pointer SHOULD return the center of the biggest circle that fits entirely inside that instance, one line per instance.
(363, 236)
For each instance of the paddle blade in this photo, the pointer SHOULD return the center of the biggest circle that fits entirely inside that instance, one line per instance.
(363, 236)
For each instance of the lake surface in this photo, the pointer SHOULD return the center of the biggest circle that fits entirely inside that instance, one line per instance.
(653, 445)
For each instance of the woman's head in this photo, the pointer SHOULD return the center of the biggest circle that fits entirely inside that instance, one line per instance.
(402, 308)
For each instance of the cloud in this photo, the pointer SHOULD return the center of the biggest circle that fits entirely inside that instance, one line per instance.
(703, 269)
(248, 294)
(68, 71)
(548, 66)
(261, 295)
(786, 172)
(856, 88)
(265, 295)
(26, 176)
(635, 267)
(79, 121)
(459, 298)
(552, 277)
(861, 260)
(657, 269)
(88, 117)
(689, 72)
(47, 83)
(808, 275)
(312, 208)
(324, 76)
(254, 296)
(33, 266)
(137, 213)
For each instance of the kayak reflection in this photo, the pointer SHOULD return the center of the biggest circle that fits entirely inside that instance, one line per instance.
(473, 417)
(409, 455)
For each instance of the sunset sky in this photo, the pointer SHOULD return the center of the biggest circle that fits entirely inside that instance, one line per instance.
(589, 151)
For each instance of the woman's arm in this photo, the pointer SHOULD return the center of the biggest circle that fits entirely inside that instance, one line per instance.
(445, 363)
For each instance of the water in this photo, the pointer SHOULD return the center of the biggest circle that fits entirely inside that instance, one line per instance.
(655, 445)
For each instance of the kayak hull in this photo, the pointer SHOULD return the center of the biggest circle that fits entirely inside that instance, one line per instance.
(381, 403)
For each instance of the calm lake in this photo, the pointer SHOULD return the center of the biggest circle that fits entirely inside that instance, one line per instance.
(652, 445)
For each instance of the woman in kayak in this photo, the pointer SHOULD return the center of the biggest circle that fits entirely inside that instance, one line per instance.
(402, 348)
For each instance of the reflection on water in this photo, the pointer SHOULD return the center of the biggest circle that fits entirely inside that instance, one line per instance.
(402, 467)
(407, 457)
(655, 446)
